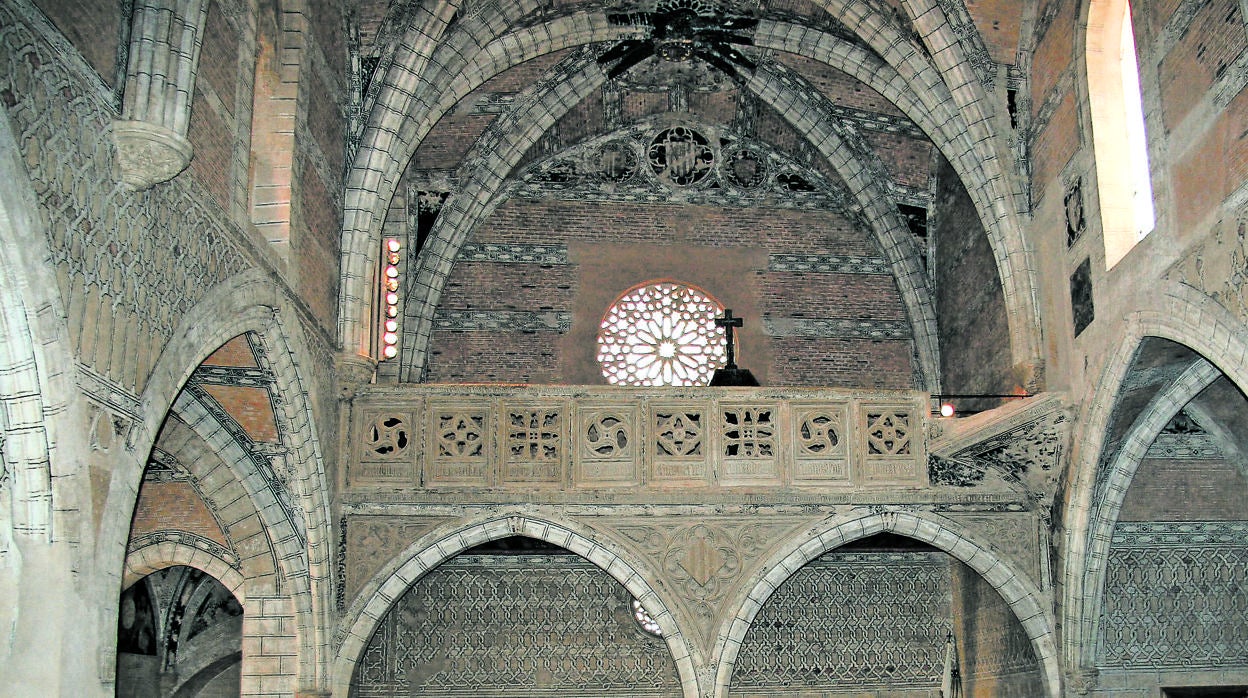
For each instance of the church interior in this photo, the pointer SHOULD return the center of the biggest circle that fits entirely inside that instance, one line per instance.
(630, 348)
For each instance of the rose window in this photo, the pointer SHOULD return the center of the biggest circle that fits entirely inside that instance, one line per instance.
(661, 334)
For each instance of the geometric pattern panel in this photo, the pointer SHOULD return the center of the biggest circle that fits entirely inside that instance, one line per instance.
(852, 620)
(1174, 596)
(386, 447)
(460, 445)
(819, 443)
(514, 625)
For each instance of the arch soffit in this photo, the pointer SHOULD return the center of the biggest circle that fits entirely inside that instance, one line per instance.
(1018, 592)
(248, 302)
(158, 556)
(1120, 473)
(385, 588)
(366, 204)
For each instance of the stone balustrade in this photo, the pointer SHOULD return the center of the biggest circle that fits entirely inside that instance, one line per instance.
(590, 438)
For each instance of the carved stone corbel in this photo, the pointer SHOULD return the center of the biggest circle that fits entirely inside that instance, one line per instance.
(148, 154)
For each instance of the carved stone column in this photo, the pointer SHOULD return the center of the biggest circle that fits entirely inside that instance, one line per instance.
(160, 78)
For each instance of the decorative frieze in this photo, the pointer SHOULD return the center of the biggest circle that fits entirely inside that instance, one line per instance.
(828, 264)
(838, 328)
(502, 321)
(513, 254)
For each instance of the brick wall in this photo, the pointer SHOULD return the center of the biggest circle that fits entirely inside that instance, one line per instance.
(315, 246)
(1213, 41)
(1171, 490)
(93, 27)
(998, 22)
(1055, 49)
(974, 329)
(1213, 167)
(1053, 146)
(325, 123)
(612, 247)
(450, 140)
(212, 124)
(843, 89)
(218, 58)
(173, 506)
(320, 138)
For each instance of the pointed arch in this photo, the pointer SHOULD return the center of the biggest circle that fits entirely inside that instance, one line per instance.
(383, 154)
(158, 556)
(248, 302)
(388, 584)
(1183, 315)
(1018, 592)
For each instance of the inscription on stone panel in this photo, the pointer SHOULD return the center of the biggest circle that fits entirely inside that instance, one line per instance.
(608, 450)
(459, 445)
(748, 444)
(680, 444)
(387, 450)
(820, 444)
(890, 448)
(533, 450)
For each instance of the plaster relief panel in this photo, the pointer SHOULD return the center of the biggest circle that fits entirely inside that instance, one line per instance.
(705, 562)
(533, 444)
(460, 445)
(607, 450)
(386, 448)
(680, 444)
(820, 444)
(748, 446)
(373, 541)
(891, 444)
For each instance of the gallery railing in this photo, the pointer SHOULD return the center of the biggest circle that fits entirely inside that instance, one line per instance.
(430, 437)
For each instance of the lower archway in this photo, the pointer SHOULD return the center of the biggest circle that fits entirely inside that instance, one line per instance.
(516, 617)
(424, 555)
(1015, 591)
(179, 634)
(886, 615)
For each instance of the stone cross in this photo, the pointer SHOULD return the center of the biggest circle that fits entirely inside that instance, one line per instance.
(728, 322)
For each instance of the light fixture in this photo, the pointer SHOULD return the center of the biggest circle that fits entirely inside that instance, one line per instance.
(947, 404)
(390, 308)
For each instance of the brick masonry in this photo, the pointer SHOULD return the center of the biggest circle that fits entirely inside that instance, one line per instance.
(973, 328)
(612, 247)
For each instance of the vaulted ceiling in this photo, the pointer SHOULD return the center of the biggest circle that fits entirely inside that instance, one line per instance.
(855, 109)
